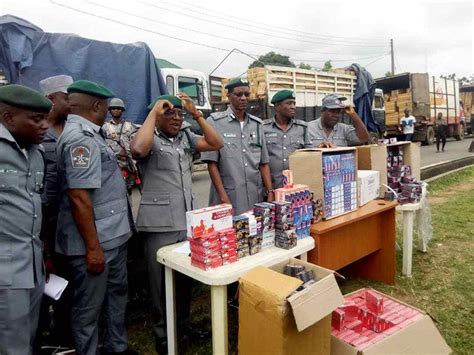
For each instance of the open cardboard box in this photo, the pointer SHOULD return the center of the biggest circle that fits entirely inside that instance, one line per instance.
(419, 337)
(307, 168)
(374, 157)
(275, 320)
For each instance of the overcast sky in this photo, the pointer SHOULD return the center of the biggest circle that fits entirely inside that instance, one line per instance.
(429, 36)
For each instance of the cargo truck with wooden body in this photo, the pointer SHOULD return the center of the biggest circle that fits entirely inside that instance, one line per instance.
(467, 107)
(309, 86)
(425, 96)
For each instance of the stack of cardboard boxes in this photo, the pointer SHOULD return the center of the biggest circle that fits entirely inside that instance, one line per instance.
(211, 236)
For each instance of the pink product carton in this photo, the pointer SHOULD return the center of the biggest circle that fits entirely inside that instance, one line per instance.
(374, 302)
(207, 220)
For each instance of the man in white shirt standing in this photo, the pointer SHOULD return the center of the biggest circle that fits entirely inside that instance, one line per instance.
(408, 125)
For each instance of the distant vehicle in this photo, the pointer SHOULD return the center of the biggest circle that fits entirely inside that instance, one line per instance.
(425, 96)
(467, 107)
(191, 82)
(310, 86)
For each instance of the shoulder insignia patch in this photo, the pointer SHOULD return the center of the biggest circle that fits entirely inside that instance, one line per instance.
(80, 157)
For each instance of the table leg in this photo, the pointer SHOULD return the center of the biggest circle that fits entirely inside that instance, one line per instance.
(304, 257)
(219, 319)
(407, 242)
(170, 311)
(421, 242)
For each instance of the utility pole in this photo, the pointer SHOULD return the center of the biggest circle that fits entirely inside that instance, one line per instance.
(392, 55)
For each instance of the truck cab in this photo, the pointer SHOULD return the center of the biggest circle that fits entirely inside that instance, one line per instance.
(194, 84)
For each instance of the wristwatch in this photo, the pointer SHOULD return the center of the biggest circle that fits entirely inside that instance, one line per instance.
(269, 191)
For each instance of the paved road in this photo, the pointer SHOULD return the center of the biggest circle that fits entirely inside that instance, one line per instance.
(453, 150)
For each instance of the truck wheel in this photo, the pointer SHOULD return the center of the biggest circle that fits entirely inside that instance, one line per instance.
(430, 136)
(460, 133)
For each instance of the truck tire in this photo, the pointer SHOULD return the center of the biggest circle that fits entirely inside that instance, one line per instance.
(459, 136)
(430, 136)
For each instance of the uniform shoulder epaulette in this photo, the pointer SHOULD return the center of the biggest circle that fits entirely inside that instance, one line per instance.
(268, 121)
(185, 125)
(301, 123)
(256, 119)
(218, 115)
(87, 130)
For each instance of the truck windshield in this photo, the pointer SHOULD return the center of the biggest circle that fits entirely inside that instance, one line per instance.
(193, 88)
(378, 101)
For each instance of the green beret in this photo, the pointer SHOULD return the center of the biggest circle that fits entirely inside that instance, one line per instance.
(90, 88)
(25, 98)
(236, 82)
(176, 101)
(282, 95)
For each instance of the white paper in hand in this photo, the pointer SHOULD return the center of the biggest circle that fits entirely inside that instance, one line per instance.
(55, 286)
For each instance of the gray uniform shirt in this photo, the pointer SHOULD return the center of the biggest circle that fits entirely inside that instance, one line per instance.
(86, 162)
(342, 135)
(281, 144)
(21, 184)
(239, 160)
(167, 182)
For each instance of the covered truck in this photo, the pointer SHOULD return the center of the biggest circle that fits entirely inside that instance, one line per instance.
(425, 96)
(28, 55)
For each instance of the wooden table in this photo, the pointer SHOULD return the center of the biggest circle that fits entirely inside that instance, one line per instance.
(218, 279)
(362, 242)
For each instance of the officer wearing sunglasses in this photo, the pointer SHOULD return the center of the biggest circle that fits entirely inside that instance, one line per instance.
(239, 171)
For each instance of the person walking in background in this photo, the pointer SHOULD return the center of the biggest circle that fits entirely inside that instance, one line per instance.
(408, 125)
(440, 130)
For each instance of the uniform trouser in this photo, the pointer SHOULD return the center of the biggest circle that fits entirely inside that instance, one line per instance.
(107, 292)
(19, 314)
(156, 273)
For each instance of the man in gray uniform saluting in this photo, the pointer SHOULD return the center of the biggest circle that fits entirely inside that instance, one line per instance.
(94, 222)
(164, 146)
(284, 134)
(23, 126)
(239, 171)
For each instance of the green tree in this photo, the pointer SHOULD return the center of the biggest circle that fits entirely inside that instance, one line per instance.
(388, 74)
(305, 66)
(327, 66)
(272, 58)
(467, 80)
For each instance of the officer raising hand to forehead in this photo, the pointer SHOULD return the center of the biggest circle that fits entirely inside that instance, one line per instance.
(164, 146)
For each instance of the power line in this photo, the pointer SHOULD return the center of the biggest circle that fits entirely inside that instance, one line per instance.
(253, 23)
(206, 33)
(168, 36)
(376, 60)
(138, 27)
(322, 41)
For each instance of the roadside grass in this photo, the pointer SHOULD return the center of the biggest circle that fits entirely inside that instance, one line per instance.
(442, 282)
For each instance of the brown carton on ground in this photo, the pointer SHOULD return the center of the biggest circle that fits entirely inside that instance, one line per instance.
(419, 338)
(274, 321)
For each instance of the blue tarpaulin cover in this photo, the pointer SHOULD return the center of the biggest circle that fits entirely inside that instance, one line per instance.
(28, 55)
(364, 96)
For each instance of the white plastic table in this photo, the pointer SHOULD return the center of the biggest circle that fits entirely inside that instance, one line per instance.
(218, 279)
(409, 210)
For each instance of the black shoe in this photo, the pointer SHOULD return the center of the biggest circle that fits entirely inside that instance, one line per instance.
(125, 352)
(161, 346)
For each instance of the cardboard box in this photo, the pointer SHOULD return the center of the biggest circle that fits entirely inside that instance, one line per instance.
(307, 167)
(208, 220)
(419, 336)
(374, 157)
(275, 320)
(368, 185)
